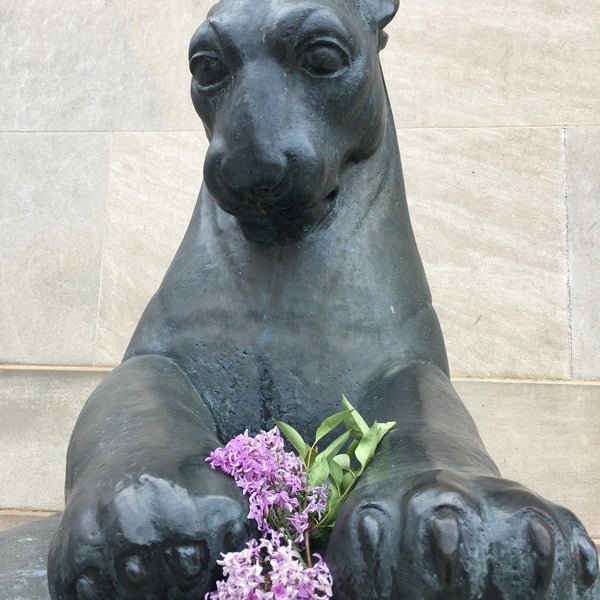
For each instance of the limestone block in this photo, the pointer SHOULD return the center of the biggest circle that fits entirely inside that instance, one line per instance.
(96, 65)
(488, 210)
(583, 205)
(544, 436)
(159, 35)
(153, 185)
(38, 409)
(473, 63)
(121, 66)
(52, 204)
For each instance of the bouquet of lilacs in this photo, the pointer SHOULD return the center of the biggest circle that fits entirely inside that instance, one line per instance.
(293, 498)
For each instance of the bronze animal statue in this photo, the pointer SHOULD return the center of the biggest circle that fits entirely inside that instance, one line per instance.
(298, 280)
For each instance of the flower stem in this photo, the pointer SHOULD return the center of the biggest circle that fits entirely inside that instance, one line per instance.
(307, 549)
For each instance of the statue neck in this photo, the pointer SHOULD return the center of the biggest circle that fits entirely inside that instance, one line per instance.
(357, 282)
(368, 243)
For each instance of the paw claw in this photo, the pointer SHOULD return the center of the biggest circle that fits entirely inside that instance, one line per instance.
(542, 543)
(444, 535)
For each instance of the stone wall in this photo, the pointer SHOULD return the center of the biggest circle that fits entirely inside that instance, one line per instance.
(498, 119)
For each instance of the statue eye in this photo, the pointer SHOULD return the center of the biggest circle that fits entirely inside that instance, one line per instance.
(323, 59)
(208, 69)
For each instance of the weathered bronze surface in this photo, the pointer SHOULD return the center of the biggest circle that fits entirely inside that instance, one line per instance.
(298, 280)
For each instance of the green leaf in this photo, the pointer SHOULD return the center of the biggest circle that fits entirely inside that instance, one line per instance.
(355, 424)
(318, 473)
(383, 429)
(366, 447)
(352, 448)
(333, 497)
(334, 447)
(329, 520)
(311, 454)
(335, 472)
(333, 465)
(294, 438)
(329, 424)
(347, 481)
(343, 460)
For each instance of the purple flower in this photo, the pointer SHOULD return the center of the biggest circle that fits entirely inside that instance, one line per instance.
(268, 570)
(279, 493)
(244, 575)
(290, 579)
(283, 503)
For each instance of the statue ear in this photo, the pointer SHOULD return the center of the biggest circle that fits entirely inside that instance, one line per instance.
(382, 12)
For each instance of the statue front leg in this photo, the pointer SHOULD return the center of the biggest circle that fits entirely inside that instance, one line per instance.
(145, 516)
(433, 519)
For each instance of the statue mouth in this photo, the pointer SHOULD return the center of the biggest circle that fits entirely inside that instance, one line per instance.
(273, 203)
(277, 223)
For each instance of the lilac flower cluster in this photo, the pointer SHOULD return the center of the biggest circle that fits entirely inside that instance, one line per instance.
(271, 571)
(283, 503)
(275, 481)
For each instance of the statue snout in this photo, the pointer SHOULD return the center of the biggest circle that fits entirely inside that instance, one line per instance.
(252, 173)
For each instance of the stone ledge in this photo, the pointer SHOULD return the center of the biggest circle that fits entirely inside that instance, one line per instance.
(542, 434)
(14, 517)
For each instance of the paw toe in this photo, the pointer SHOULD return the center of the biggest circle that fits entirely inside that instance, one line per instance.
(134, 570)
(370, 530)
(530, 555)
(187, 561)
(444, 540)
(85, 589)
(91, 585)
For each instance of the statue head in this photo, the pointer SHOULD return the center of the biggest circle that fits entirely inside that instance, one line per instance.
(290, 93)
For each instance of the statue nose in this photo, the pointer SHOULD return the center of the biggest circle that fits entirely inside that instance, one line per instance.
(254, 174)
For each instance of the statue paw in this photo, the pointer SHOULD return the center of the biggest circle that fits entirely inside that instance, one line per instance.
(446, 536)
(149, 539)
